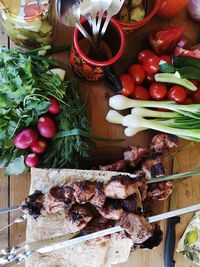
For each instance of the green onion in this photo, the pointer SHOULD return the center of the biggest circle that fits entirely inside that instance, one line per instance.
(120, 102)
(144, 112)
(175, 176)
(133, 121)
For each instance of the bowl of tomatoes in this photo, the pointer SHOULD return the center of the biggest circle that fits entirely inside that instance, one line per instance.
(136, 13)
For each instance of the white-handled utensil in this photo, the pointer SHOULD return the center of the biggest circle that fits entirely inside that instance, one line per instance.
(114, 8)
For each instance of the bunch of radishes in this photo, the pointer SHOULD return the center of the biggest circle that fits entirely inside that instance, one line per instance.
(36, 140)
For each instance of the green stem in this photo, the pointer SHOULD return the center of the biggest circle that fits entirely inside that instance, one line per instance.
(175, 176)
(49, 60)
(144, 112)
(58, 49)
(36, 50)
(80, 132)
(32, 95)
(12, 134)
(159, 127)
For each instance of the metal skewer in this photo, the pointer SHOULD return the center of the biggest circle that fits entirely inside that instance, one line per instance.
(18, 254)
(19, 219)
(23, 217)
(153, 180)
(9, 209)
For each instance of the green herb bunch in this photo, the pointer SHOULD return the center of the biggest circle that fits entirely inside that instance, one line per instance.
(26, 84)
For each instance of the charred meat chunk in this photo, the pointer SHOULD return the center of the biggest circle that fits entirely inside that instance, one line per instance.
(163, 142)
(33, 204)
(160, 191)
(58, 198)
(78, 216)
(132, 204)
(98, 199)
(119, 165)
(143, 190)
(153, 167)
(83, 191)
(134, 155)
(112, 209)
(121, 187)
(153, 241)
(137, 227)
(95, 225)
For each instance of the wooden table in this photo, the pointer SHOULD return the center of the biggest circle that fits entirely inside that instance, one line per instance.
(14, 188)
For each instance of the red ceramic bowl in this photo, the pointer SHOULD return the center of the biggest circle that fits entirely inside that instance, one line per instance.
(152, 8)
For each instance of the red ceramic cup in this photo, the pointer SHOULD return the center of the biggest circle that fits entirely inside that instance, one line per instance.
(84, 61)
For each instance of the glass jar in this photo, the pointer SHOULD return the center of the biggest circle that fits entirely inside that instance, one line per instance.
(27, 22)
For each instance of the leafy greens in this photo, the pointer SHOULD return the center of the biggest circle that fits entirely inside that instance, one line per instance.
(26, 84)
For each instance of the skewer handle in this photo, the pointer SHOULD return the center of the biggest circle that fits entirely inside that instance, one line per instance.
(25, 250)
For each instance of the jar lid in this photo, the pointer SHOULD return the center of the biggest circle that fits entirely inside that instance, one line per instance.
(28, 10)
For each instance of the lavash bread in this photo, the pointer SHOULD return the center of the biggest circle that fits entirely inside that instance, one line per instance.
(114, 251)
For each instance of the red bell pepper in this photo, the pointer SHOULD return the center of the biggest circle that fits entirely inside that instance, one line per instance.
(188, 53)
(164, 41)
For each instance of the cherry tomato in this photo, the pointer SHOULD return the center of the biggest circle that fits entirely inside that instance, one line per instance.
(158, 91)
(177, 93)
(187, 101)
(149, 78)
(151, 64)
(128, 84)
(140, 93)
(144, 54)
(137, 73)
(196, 96)
(166, 58)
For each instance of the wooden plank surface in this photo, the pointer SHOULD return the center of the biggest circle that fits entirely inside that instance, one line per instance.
(14, 188)
(4, 181)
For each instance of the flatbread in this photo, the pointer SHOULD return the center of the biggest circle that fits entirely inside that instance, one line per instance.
(114, 251)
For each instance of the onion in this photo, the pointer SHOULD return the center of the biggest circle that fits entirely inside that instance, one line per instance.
(194, 9)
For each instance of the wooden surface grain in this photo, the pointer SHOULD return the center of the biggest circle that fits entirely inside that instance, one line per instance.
(13, 189)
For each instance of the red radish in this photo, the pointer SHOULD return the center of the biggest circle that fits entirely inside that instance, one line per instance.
(46, 127)
(39, 146)
(31, 160)
(25, 138)
(54, 107)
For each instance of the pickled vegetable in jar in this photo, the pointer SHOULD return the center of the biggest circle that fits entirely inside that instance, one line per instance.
(27, 22)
